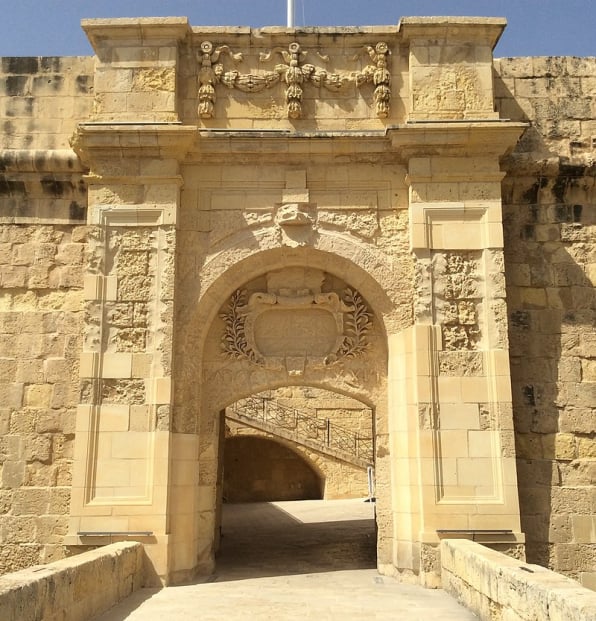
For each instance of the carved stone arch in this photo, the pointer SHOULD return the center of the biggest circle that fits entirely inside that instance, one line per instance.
(307, 337)
(343, 391)
(198, 405)
(363, 267)
(197, 316)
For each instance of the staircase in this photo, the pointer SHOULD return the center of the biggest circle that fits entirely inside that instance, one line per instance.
(303, 428)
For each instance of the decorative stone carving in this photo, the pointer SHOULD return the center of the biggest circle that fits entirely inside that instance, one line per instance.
(379, 75)
(455, 90)
(210, 74)
(357, 325)
(234, 338)
(457, 298)
(296, 223)
(294, 323)
(294, 74)
(293, 214)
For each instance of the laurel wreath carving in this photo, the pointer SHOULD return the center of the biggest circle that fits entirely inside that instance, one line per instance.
(357, 325)
(234, 342)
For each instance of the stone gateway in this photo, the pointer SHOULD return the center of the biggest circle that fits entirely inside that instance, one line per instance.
(207, 232)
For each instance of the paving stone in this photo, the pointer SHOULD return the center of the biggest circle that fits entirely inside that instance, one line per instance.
(294, 560)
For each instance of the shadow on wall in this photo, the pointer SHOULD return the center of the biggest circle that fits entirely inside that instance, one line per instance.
(552, 311)
(262, 470)
(549, 218)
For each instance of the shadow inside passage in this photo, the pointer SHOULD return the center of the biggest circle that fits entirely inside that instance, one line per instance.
(261, 540)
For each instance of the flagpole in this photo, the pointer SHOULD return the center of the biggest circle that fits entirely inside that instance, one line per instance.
(290, 13)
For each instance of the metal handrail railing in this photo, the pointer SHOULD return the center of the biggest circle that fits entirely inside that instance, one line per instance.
(320, 430)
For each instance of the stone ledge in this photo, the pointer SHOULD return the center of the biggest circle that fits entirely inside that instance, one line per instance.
(77, 588)
(496, 587)
(40, 160)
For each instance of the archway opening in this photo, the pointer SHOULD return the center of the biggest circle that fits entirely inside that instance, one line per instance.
(305, 323)
(296, 486)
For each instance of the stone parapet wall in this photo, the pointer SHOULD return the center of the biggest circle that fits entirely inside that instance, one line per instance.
(42, 187)
(549, 207)
(497, 587)
(558, 96)
(74, 589)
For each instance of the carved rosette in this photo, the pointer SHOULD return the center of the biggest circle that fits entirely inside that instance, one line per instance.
(294, 74)
(295, 327)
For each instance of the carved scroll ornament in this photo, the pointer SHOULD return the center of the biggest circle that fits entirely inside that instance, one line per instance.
(351, 316)
(294, 74)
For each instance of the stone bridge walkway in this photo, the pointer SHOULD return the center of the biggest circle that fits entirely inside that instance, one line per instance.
(294, 560)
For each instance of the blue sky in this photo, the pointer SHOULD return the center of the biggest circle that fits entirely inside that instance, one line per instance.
(536, 27)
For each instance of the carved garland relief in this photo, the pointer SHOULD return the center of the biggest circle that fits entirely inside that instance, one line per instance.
(294, 74)
(294, 323)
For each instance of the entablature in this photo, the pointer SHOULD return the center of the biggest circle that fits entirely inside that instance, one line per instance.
(400, 143)
(306, 79)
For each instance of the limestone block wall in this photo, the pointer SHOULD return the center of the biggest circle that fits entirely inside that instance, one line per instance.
(43, 99)
(40, 342)
(258, 469)
(43, 237)
(550, 261)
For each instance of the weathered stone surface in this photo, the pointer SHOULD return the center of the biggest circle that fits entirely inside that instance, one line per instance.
(498, 587)
(465, 322)
(84, 586)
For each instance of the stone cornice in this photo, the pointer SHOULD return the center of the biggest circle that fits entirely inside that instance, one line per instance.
(447, 139)
(143, 29)
(170, 140)
(487, 30)
(40, 160)
(455, 138)
(167, 140)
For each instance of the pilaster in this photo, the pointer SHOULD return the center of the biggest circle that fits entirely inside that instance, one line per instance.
(123, 436)
(454, 420)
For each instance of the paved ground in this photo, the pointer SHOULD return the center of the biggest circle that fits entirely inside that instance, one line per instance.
(294, 560)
